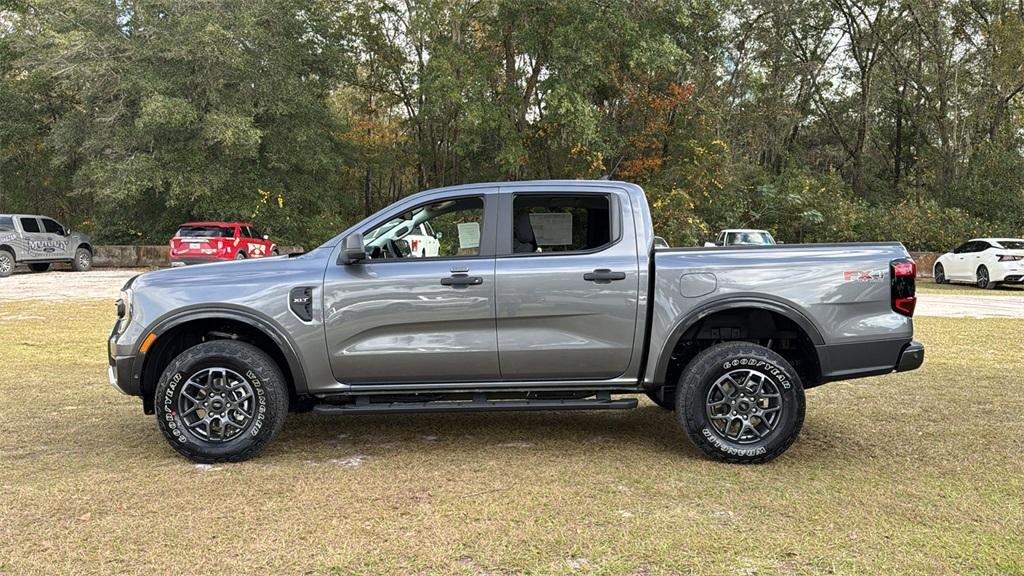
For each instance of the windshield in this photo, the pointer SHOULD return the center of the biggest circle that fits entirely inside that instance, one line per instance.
(749, 238)
(1012, 244)
(205, 232)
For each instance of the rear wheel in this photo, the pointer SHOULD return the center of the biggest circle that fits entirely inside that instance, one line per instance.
(983, 280)
(221, 401)
(6, 263)
(940, 274)
(39, 267)
(740, 402)
(82, 261)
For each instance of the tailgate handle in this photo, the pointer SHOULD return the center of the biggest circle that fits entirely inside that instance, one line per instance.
(461, 280)
(603, 275)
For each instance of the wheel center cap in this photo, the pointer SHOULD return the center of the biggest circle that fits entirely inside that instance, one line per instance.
(217, 404)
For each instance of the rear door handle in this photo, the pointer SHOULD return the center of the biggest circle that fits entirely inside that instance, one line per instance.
(603, 275)
(462, 280)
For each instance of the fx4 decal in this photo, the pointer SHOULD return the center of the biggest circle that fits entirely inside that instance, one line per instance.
(864, 276)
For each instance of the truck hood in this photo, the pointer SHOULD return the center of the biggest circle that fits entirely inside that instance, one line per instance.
(235, 276)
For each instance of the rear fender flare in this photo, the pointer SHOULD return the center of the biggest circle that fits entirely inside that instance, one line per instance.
(754, 302)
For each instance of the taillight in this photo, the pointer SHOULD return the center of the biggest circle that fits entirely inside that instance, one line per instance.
(1009, 258)
(903, 272)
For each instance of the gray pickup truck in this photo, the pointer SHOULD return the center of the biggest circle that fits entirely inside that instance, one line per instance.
(543, 296)
(40, 241)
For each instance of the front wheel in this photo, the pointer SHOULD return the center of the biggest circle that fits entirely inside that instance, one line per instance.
(740, 402)
(939, 274)
(82, 261)
(240, 255)
(221, 401)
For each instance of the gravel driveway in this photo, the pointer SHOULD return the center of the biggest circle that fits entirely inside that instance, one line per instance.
(964, 306)
(102, 284)
(106, 283)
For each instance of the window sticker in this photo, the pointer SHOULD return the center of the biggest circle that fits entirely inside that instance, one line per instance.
(469, 235)
(552, 228)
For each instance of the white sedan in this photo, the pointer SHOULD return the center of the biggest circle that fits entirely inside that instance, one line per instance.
(984, 262)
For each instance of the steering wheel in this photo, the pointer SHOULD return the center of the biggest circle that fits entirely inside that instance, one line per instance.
(393, 250)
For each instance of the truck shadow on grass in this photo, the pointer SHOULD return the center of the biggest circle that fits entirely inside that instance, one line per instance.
(646, 430)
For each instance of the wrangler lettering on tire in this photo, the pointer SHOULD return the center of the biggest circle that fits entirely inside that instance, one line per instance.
(221, 401)
(740, 402)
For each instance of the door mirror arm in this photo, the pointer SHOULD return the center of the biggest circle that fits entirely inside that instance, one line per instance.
(353, 250)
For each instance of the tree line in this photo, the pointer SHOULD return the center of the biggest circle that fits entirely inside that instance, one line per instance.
(823, 120)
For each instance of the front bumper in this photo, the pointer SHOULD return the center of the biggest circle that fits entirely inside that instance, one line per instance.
(911, 357)
(121, 371)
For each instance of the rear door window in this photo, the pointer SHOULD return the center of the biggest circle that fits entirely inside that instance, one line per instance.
(30, 225)
(553, 223)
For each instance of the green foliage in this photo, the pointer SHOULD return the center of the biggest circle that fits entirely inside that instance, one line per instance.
(817, 120)
(925, 226)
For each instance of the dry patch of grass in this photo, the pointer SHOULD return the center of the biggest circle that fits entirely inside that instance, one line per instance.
(911, 473)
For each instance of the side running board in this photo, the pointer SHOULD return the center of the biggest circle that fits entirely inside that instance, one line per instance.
(479, 403)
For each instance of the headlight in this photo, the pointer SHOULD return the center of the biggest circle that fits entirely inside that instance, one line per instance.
(124, 310)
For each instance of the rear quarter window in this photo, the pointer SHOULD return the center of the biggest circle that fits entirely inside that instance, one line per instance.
(6, 224)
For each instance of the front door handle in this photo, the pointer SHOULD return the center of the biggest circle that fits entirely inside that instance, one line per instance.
(461, 280)
(603, 275)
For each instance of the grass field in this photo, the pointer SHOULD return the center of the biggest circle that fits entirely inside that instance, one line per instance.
(917, 473)
(929, 286)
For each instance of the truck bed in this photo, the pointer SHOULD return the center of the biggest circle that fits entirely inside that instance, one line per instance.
(838, 294)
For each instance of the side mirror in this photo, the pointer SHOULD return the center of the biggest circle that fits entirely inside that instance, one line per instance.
(65, 231)
(266, 237)
(352, 249)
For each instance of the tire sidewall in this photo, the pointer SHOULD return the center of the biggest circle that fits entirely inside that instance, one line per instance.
(267, 389)
(691, 402)
(10, 261)
(83, 260)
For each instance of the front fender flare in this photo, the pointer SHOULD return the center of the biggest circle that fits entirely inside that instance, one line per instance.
(222, 312)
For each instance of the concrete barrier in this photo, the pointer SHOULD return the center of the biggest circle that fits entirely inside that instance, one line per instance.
(114, 256)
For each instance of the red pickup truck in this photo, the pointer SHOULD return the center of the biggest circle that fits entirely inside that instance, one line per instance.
(199, 242)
